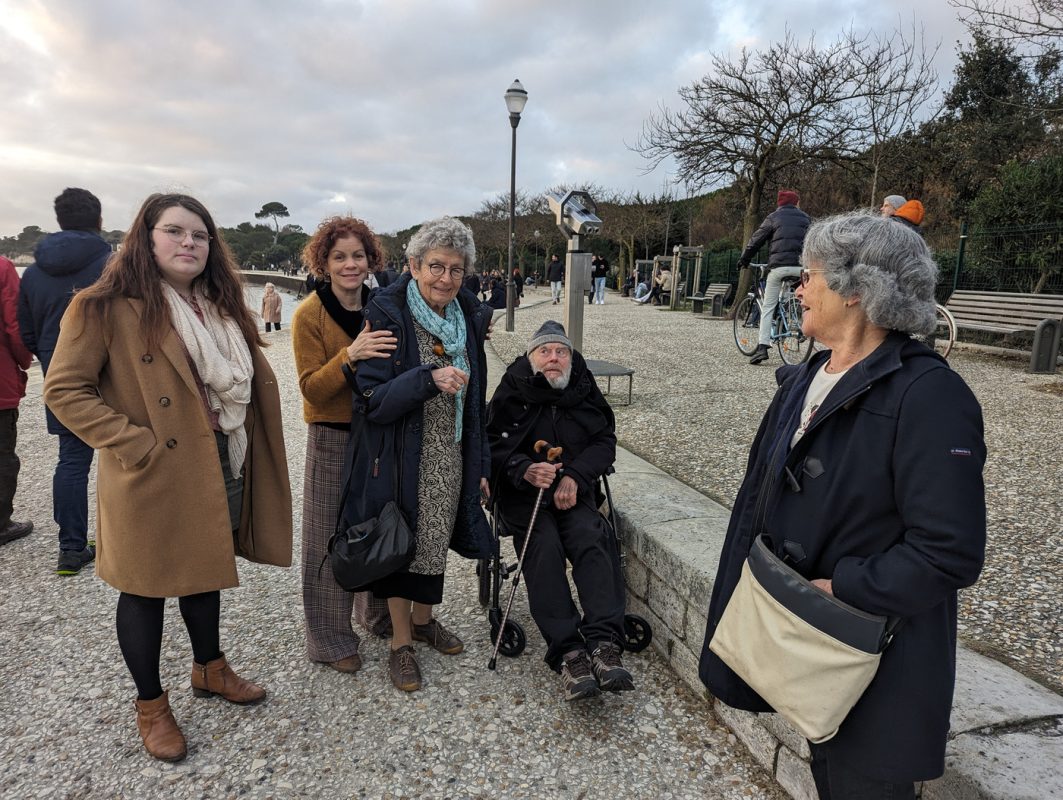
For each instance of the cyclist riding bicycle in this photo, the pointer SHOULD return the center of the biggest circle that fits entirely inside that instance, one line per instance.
(785, 228)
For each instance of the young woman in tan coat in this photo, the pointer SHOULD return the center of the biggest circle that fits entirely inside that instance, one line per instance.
(158, 367)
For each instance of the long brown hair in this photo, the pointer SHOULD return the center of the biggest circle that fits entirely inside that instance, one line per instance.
(132, 272)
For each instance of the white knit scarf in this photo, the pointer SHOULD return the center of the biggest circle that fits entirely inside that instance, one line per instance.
(218, 349)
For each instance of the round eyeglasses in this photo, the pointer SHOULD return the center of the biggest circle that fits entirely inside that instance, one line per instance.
(177, 235)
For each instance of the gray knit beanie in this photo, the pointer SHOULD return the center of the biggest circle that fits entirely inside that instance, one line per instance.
(550, 331)
(895, 200)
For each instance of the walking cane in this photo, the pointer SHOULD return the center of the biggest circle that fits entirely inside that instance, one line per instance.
(552, 454)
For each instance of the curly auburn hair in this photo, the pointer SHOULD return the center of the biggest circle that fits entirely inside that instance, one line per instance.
(315, 253)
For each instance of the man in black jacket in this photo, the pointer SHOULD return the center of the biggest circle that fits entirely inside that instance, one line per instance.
(65, 262)
(785, 228)
(550, 395)
(555, 272)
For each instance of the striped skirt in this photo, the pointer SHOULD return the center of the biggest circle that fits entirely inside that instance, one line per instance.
(328, 607)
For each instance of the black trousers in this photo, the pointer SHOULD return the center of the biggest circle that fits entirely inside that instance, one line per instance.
(581, 536)
(9, 463)
(836, 781)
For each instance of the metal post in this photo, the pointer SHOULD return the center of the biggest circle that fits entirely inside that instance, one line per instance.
(959, 256)
(577, 281)
(514, 120)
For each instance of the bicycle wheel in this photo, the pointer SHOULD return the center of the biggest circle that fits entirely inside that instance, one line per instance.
(747, 326)
(794, 346)
(943, 337)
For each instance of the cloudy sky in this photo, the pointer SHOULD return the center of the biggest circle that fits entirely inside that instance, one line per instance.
(390, 109)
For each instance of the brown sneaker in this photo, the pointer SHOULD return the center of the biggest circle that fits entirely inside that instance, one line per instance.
(438, 637)
(162, 738)
(405, 673)
(609, 669)
(350, 664)
(217, 677)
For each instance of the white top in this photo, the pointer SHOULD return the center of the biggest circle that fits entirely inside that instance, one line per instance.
(817, 392)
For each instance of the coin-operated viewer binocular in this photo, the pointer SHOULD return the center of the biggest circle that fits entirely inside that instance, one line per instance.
(577, 216)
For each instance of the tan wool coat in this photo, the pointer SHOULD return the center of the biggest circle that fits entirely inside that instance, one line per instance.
(271, 307)
(162, 520)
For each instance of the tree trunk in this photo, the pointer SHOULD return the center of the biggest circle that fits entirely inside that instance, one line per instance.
(749, 224)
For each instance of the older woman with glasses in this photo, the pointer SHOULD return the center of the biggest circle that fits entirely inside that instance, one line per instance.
(424, 443)
(868, 468)
(159, 367)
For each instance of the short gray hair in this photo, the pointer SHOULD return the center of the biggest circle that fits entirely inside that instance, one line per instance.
(446, 232)
(887, 265)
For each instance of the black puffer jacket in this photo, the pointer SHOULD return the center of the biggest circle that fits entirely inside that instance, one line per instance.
(65, 262)
(786, 227)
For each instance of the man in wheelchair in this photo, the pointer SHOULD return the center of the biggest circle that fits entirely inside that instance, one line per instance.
(549, 394)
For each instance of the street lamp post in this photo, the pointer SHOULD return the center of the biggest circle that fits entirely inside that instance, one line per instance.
(516, 98)
(537, 264)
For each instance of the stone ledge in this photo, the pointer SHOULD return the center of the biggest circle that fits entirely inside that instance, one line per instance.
(1007, 731)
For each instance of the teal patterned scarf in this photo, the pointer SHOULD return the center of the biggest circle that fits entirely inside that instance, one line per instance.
(450, 330)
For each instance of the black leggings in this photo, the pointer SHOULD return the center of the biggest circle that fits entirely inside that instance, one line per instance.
(139, 622)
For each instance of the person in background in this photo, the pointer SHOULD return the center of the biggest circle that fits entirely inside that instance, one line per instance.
(424, 446)
(271, 307)
(14, 361)
(64, 262)
(599, 272)
(868, 465)
(555, 273)
(159, 367)
(890, 204)
(784, 231)
(910, 214)
(331, 340)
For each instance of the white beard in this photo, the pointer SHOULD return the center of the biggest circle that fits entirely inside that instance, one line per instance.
(560, 382)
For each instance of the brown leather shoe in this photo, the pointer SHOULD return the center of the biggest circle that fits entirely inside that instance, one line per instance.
(217, 677)
(348, 664)
(438, 637)
(162, 738)
(405, 672)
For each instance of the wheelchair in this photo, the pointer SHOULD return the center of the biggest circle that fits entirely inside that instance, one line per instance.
(493, 572)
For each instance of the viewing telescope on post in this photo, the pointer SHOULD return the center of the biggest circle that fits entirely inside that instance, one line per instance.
(577, 215)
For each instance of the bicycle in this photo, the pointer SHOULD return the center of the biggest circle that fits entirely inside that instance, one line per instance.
(943, 337)
(794, 347)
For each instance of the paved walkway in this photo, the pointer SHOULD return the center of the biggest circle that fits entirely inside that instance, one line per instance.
(66, 710)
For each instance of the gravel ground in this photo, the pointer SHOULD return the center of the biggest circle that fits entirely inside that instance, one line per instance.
(67, 723)
(697, 404)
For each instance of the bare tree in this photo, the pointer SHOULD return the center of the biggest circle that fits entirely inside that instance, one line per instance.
(766, 111)
(1037, 22)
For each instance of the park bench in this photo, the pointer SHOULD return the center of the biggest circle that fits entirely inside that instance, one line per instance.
(666, 297)
(715, 296)
(1011, 313)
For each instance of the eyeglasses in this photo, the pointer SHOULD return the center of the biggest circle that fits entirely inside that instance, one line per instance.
(177, 235)
(806, 272)
(457, 273)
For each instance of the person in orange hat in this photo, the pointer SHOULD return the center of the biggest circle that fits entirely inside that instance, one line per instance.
(910, 214)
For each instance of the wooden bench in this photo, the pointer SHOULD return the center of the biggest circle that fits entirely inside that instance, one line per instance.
(715, 296)
(1010, 313)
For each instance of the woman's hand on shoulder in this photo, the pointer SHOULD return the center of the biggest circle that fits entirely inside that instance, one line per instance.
(371, 344)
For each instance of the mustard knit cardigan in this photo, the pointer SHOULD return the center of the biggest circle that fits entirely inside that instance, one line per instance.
(320, 353)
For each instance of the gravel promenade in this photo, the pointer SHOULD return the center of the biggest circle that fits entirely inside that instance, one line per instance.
(697, 405)
(66, 712)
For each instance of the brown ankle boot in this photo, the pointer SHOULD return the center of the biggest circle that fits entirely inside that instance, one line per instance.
(217, 677)
(162, 738)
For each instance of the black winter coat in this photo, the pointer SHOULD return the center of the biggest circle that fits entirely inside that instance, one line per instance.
(525, 407)
(65, 262)
(391, 393)
(785, 227)
(555, 270)
(884, 494)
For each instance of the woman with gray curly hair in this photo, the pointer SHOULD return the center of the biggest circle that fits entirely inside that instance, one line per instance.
(867, 473)
(424, 443)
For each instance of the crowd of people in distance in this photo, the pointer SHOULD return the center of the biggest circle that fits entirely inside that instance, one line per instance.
(867, 465)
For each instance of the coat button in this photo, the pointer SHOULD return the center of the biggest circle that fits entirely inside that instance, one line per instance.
(171, 443)
(146, 358)
(164, 401)
(505, 435)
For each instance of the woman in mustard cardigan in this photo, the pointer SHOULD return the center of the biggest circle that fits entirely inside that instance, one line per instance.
(328, 332)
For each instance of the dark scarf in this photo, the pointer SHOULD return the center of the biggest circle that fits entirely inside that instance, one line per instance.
(350, 321)
(534, 388)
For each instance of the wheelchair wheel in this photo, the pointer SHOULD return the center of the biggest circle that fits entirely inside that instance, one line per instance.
(637, 633)
(483, 572)
(513, 639)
